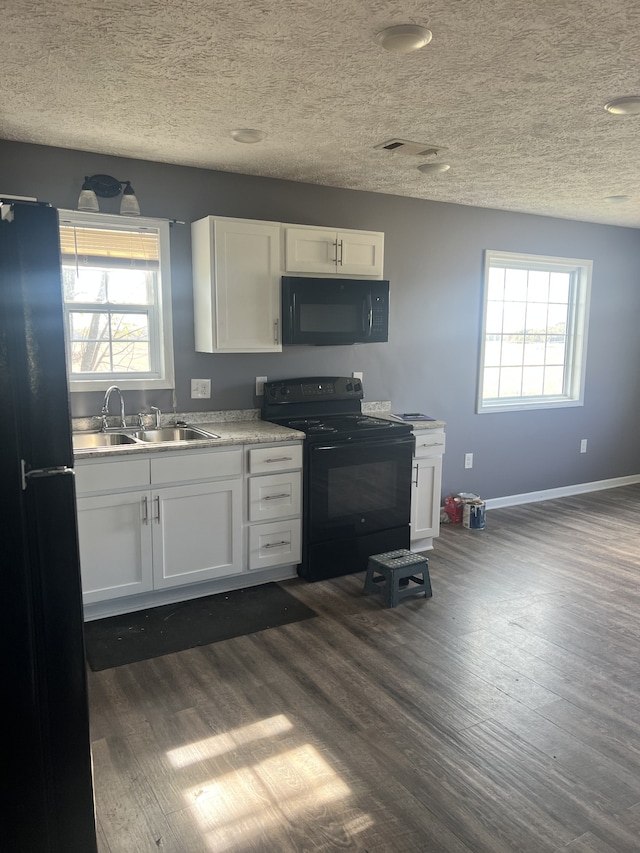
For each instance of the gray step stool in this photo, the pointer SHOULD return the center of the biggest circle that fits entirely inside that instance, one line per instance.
(386, 571)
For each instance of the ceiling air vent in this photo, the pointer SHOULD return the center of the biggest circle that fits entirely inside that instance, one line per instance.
(415, 149)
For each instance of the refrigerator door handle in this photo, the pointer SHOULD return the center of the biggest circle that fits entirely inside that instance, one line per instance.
(42, 472)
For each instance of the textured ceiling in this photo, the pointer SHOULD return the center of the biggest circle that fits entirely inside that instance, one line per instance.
(513, 90)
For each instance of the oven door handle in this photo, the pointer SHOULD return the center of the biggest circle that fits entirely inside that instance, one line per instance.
(382, 442)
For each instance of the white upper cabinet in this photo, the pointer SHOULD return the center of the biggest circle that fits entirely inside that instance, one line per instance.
(325, 251)
(236, 285)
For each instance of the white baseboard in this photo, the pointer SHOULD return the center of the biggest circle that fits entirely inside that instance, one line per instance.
(561, 492)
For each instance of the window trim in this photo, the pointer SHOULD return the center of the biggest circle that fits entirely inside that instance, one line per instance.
(577, 333)
(162, 346)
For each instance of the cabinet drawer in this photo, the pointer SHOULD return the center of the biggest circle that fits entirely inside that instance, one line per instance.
(276, 496)
(429, 442)
(265, 459)
(110, 475)
(274, 544)
(196, 466)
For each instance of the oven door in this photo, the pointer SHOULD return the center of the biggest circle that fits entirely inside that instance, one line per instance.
(358, 487)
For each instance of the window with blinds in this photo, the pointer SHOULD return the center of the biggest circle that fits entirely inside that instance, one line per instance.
(114, 276)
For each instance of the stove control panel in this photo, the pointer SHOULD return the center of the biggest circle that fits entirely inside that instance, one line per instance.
(315, 388)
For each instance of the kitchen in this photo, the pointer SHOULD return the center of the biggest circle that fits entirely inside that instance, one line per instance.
(433, 259)
(238, 393)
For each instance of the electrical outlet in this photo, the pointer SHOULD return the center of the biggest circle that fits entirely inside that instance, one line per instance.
(260, 380)
(468, 460)
(200, 389)
(583, 445)
(357, 374)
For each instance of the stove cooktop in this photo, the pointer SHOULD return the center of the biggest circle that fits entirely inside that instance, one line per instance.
(325, 408)
(349, 425)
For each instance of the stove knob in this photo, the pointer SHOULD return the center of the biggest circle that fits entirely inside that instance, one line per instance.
(358, 386)
(284, 391)
(349, 386)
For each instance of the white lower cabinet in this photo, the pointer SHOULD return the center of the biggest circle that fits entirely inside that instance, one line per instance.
(115, 545)
(425, 488)
(196, 533)
(134, 541)
(274, 500)
(174, 519)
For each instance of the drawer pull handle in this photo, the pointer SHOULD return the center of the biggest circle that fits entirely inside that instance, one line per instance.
(432, 444)
(276, 497)
(279, 459)
(415, 482)
(276, 544)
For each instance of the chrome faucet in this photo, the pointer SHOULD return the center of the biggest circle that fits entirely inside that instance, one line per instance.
(105, 408)
(154, 411)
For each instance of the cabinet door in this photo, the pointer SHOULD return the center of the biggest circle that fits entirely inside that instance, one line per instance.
(236, 280)
(196, 532)
(275, 544)
(361, 253)
(114, 533)
(312, 250)
(425, 497)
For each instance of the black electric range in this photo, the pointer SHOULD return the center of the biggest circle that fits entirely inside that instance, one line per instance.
(357, 473)
(323, 407)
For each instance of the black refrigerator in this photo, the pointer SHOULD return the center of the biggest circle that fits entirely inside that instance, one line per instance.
(46, 766)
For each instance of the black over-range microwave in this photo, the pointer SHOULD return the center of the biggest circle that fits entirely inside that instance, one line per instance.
(330, 311)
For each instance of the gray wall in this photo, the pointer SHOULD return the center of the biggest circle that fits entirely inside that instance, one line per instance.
(433, 258)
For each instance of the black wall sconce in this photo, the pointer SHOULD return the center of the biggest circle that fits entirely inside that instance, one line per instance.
(104, 186)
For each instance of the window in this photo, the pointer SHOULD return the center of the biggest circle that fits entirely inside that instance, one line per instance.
(117, 304)
(534, 332)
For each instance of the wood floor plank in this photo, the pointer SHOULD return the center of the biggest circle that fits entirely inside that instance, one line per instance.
(130, 818)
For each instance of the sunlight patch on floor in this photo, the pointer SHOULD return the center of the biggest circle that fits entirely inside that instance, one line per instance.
(219, 744)
(244, 804)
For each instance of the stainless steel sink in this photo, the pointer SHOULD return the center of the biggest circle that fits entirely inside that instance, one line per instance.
(174, 434)
(90, 440)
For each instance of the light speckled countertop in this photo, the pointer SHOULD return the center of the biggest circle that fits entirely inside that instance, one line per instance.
(383, 410)
(233, 427)
(229, 432)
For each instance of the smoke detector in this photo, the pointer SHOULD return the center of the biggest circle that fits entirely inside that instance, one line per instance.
(414, 149)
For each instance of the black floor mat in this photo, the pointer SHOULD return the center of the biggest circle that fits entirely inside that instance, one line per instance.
(146, 634)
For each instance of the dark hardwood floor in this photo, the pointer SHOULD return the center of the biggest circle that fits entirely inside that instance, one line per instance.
(500, 716)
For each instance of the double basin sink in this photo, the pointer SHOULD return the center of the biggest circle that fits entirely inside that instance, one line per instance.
(93, 440)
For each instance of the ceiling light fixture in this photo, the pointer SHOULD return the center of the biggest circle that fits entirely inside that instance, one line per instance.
(248, 135)
(404, 38)
(433, 168)
(627, 106)
(104, 186)
(616, 199)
